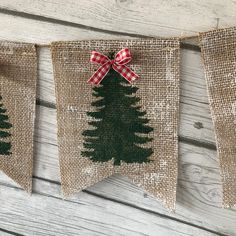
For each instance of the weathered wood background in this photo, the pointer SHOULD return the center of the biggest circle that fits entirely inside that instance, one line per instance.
(115, 206)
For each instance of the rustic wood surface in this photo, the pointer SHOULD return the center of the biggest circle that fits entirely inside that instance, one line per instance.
(115, 206)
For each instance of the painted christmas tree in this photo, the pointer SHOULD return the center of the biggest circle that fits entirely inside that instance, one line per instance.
(119, 128)
(4, 126)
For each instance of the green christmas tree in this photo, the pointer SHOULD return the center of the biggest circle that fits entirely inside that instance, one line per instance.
(4, 126)
(119, 128)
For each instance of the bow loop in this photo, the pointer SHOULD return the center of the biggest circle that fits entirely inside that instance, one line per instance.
(98, 58)
(118, 64)
(123, 57)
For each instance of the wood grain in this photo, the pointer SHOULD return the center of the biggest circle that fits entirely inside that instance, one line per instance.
(152, 18)
(17, 28)
(44, 213)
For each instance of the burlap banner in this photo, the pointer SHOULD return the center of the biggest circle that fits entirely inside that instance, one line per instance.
(116, 127)
(18, 73)
(219, 57)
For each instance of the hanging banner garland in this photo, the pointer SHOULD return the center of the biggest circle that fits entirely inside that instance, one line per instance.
(18, 73)
(219, 57)
(117, 110)
(124, 119)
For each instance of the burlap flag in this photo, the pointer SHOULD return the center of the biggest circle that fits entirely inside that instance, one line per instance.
(117, 126)
(18, 73)
(219, 57)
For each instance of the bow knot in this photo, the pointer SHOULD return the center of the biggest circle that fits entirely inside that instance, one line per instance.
(118, 64)
(112, 61)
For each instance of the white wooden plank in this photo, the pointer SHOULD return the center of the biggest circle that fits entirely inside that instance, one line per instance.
(49, 215)
(199, 192)
(20, 29)
(194, 105)
(153, 18)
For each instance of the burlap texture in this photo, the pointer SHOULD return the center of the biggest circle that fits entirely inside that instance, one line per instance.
(219, 57)
(157, 63)
(18, 74)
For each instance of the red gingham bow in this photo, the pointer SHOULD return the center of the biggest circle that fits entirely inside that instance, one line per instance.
(118, 64)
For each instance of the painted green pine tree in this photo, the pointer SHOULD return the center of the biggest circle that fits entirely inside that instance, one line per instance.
(119, 126)
(4, 126)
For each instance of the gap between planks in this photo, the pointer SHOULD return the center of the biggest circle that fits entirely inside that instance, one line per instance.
(8, 232)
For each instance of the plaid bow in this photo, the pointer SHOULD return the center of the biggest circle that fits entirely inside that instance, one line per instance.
(118, 64)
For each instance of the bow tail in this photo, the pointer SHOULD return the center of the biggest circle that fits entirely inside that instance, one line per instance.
(98, 76)
(125, 72)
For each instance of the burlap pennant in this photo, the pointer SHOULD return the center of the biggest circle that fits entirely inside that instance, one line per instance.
(132, 130)
(219, 57)
(18, 73)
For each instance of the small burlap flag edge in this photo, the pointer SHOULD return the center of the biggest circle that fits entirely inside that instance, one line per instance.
(18, 78)
(221, 92)
(151, 57)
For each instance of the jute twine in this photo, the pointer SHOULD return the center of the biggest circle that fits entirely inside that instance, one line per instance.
(157, 63)
(219, 57)
(18, 74)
